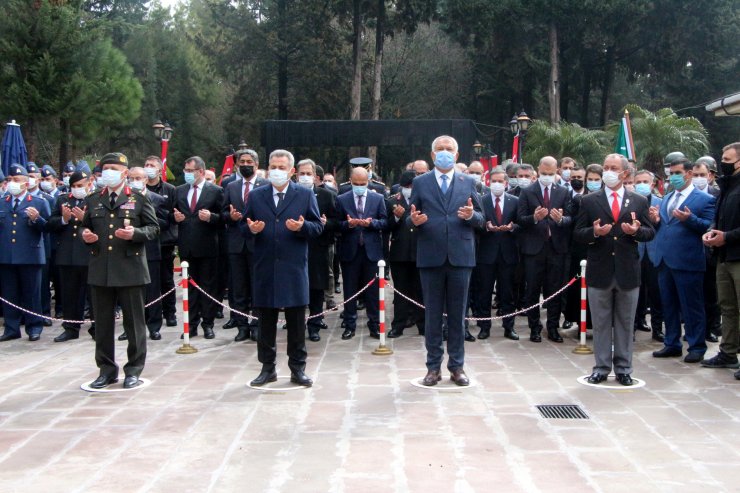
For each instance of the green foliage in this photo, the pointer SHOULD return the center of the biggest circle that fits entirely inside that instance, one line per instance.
(565, 140)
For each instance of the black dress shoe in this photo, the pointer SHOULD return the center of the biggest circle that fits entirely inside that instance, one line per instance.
(348, 334)
(314, 336)
(243, 334)
(554, 335)
(711, 337)
(596, 377)
(567, 325)
(431, 378)
(625, 379)
(102, 382)
(330, 305)
(535, 337)
(265, 376)
(301, 379)
(208, 333)
(322, 325)
(693, 358)
(667, 352)
(123, 337)
(374, 333)
(642, 326)
(34, 337)
(67, 335)
(254, 333)
(484, 334)
(468, 336)
(131, 382)
(193, 333)
(91, 331)
(171, 322)
(658, 336)
(511, 334)
(155, 335)
(737, 375)
(48, 323)
(219, 314)
(231, 324)
(395, 333)
(459, 377)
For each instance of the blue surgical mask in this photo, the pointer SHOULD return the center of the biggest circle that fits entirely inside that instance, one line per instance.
(151, 173)
(359, 189)
(593, 186)
(444, 160)
(677, 181)
(189, 177)
(643, 189)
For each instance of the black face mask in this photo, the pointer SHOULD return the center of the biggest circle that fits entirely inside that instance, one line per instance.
(727, 169)
(576, 184)
(246, 171)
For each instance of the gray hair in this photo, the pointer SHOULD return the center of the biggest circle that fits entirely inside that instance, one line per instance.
(444, 137)
(645, 172)
(622, 159)
(304, 162)
(251, 152)
(497, 171)
(282, 153)
(197, 161)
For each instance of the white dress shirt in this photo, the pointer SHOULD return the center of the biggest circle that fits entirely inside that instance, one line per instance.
(609, 196)
(275, 193)
(450, 175)
(684, 193)
(200, 185)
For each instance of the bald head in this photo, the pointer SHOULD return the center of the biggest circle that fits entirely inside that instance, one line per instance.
(358, 176)
(420, 167)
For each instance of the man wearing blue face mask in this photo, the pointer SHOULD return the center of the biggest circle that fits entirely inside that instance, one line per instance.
(684, 216)
(445, 208)
(362, 218)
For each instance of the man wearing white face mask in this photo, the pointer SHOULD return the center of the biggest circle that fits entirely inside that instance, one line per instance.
(48, 181)
(567, 165)
(701, 176)
(524, 177)
(476, 171)
(545, 218)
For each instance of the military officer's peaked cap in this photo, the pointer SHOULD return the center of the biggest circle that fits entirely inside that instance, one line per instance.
(114, 158)
(17, 170)
(360, 161)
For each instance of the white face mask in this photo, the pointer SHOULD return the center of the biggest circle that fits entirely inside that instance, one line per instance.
(31, 182)
(524, 182)
(497, 189)
(14, 188)
(610, 178)
(47, 186)
(546, 180)
(151, 173)
(65, 180)
(305, 181)
(406, 192)
(566, 174)
(700, 182)
(476, 177)
(111, 178)
(278, 177)
(137, 185)
(79, 193)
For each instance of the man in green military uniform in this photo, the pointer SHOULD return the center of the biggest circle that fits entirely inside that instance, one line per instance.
(118, 221)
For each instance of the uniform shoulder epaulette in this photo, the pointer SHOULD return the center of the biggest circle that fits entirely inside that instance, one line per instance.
(345, 183)
(378, 182)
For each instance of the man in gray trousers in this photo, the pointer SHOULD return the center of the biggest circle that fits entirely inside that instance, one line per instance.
(611, 222)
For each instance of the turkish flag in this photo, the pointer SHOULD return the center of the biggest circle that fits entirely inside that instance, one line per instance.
(228, 168)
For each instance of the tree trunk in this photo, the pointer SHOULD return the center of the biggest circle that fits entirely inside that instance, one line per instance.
(554, 93)
(585, 94)
(282, 62)
(31, 140)
(377, 74)
(357, 28)
(64, 132)
(564, 95)
(606, 85)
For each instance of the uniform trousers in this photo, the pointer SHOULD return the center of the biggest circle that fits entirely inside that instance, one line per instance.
(22, 286)
(73, 281)
(153, 314)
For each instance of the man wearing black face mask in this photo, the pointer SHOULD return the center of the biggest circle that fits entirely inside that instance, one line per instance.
(241, 248)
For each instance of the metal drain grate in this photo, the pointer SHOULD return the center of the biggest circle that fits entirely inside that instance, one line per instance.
(562, 411)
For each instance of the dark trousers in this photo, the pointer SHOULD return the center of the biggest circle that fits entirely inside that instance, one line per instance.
(73, 283)
(407, 280)
(56, 281)
(711, 299)
(315, 304)
(501, 274)
(204, 271)
(650, 295)
(543, 273)
(131, 300)
(22, 286)
(295, 325)
(46, 289)
(356, 274)
(240, 286)
(445, 288)
(223, 277)
(682, 294)
(167, 280)
(153, 291)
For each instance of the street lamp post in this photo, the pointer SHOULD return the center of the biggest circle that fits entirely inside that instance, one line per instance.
(163, 132)
(477, 149)
(519, 125)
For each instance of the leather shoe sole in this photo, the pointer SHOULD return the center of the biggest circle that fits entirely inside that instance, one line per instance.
(131, 382)
(67, 335)
(155, 335)
(264, 378)
(625, 379)
(301, 380)
(667, 352)
(8, 337)
(555, 337)
(595, 378)
(102, 382)
(394, 333)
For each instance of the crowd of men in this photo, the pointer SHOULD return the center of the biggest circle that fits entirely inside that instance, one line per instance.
(106, 241)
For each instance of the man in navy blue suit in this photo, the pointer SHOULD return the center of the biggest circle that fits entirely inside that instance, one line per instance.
(684, 216)
(445, 209)
(281, 217)
(22, 254)
(362, 221)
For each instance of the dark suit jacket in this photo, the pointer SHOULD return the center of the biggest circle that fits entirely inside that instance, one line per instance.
(318, 248)
(403, 234)
(168, 232)
(445, 237)
(495, 243)
(349, 240)
(70, 249)
(534, 236)
(281, 255)
(198, 238)
(237, 242)
(153, 246)
(613, 256)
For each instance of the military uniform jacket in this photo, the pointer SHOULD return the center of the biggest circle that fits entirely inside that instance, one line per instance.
(115, 262)
(71, 251)
(21, 241)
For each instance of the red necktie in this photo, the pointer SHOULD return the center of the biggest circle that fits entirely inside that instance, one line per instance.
(246, 192)
(194, 199)
(499, 216)
(615, 206)
(547, 198)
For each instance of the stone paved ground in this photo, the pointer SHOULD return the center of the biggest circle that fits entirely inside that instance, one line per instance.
(363, 427)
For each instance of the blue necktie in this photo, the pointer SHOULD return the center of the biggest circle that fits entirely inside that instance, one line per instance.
(444, 184)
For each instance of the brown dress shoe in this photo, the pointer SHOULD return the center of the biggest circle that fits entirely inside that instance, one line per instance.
(459, 377)
(432, 378)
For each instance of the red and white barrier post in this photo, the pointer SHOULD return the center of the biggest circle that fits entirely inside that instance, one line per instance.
(582, 348)
(382, 349)
(186, 348)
